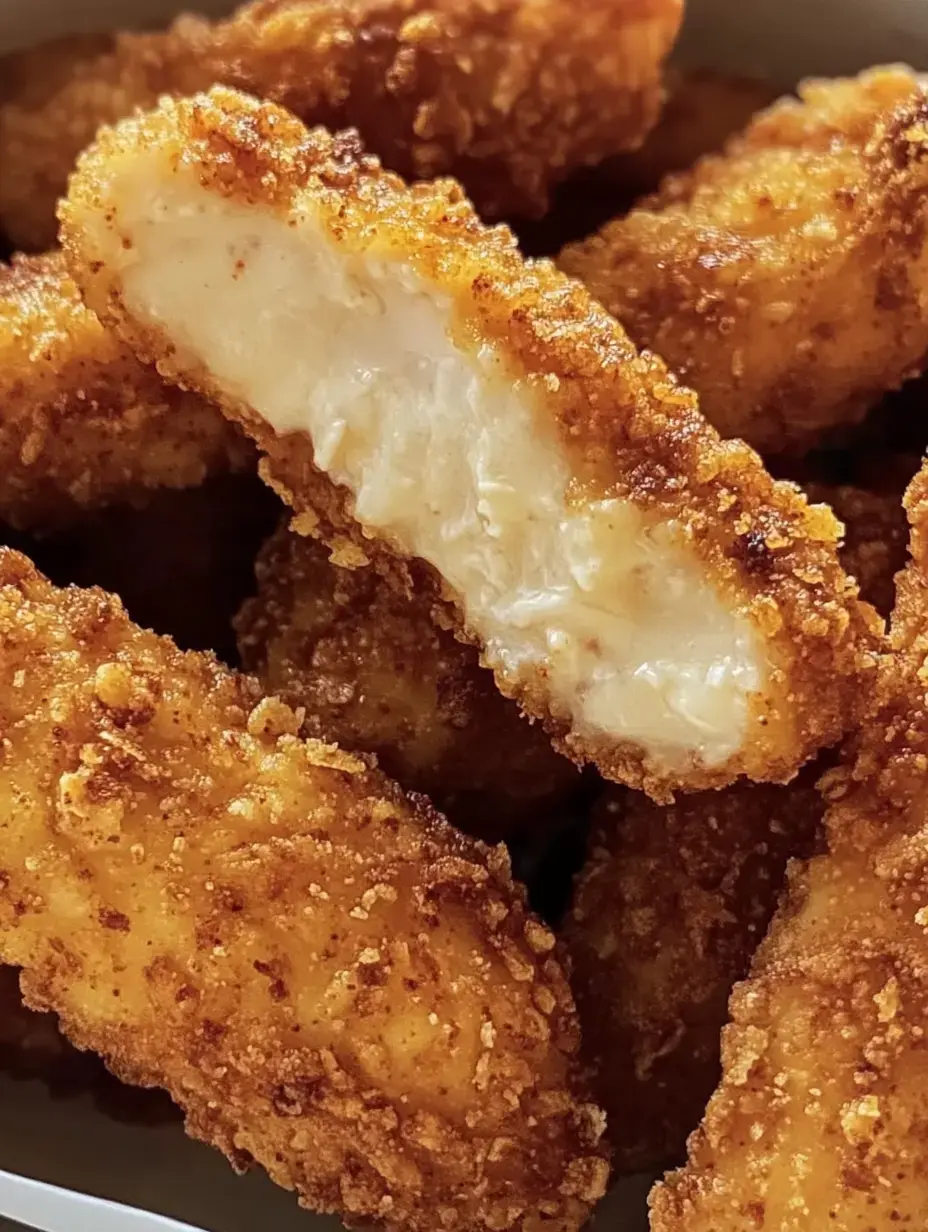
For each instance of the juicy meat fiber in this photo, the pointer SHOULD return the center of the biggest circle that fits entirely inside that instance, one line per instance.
(508, 95)
(373, 673)
(82, 422)
(325, 977)
(784, 279)
(822, 1114)
(476, 423)
(668, 912)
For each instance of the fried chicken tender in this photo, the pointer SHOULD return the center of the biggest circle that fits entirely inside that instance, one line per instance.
(478, 425)
(822, 1114)
(82, 422)
(667, 915)
(702, 110)
(326, 977)
(784, 279)
(508, 95)
(373, 673)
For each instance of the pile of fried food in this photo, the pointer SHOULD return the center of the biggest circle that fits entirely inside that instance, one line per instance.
(375, 559)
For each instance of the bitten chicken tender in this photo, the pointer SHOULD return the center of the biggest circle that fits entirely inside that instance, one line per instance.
(508, 95)
(373, 673)
(668, 913)
(822, 1114)
(784, 279)
(327, 978)
(477, 424)
(82, 422)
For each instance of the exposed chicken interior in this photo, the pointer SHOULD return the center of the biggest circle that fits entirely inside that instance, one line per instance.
(445, 455)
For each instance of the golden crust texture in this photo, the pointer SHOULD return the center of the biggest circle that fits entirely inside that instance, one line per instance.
(822, 1114)
(626, 427)
(508, 95)
(82, 422)
(328, 979)
(783, 279)
(373, 672)
(667, 914)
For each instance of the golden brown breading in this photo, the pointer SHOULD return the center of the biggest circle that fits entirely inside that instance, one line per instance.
(666, 917)
(373, 673)
(702, 109)
(325, 976)
(647, 590)
(822, 1114)
(875, 539)
(784, 279)
(508, 95)
(82, 422)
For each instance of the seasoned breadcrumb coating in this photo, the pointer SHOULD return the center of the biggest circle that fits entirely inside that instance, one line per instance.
(784, 279)
(326, 977)
(703, 108)
(875, 537)
(373, 673)
(82, 422)
(667, 915)
(507, 95)
(822, 1114)
(428, 400)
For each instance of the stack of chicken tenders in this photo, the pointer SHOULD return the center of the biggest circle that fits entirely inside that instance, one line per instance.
(464, 715)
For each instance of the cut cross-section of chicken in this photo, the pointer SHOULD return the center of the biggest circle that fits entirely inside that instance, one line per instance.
(431, 402)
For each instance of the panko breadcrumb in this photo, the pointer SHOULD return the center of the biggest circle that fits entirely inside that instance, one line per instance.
(821, 1117)
(82, 422)
(668, 912)
(372, 672)
(475, 423)
(783, 279)
(327, 978)
(508, 95)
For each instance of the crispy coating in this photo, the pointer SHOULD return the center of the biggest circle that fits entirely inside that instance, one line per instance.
(703, 108)
(875, 537)
(626, 428)
(326, 977)
(374, 673)
(783, 279)
(667, 913)
(822, 1114)
(82, 422)
(507, 95)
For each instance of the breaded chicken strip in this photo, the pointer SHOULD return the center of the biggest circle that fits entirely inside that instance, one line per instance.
(326, 977)
(477, 424)
(667, 915)
(784, 279)
(82, 422)
(372, 672)
(702, 109)
(507, 95)
(822, 1114)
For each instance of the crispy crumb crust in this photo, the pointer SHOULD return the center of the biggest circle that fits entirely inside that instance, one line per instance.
(783, 278)
(324, 975)
(667, 913)
(628, 429)
(876, 537)
(373, 672)
(822, 1114)
(508, 95)
(82, 422)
